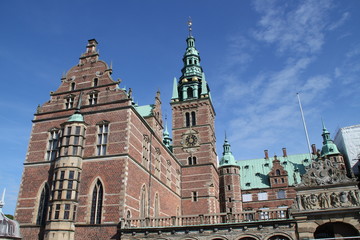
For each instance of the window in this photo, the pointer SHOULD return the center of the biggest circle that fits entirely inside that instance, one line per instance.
(194, 196)
(93, 97)
(69, 102)
(96, 203)
(95, 82)
(193, 118)
(262, 196)
(190, 92)
(281, 194)
(59, 194)
(67, 211)
(57, 211)
(277, 172)
(102, 139)
(68, 194)
(230, 199)
(74, 213)
(70, 184)
(72, 86)
(53, 145)
(61, 185)
(43, 203)
(71, 175)
(247, 197)
(62, 175)
(228, 187)
(192, 161)
(187, 116)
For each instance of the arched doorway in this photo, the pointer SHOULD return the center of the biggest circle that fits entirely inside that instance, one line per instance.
(335, 229)
(278, 237)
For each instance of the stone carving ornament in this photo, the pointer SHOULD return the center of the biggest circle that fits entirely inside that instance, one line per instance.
(324, 172)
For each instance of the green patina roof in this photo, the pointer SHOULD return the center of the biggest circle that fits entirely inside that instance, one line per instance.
(254, 172)
(76, 117)
(329, 146)
(145, 111)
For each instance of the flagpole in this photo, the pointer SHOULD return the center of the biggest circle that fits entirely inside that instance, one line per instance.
(305, 129)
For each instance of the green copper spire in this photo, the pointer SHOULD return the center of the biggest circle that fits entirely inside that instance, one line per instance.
(192, 84)
(329, 147)
(227, 157)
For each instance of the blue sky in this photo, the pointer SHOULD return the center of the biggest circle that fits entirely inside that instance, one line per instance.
(256, 55)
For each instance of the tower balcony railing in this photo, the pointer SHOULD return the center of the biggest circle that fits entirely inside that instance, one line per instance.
(206, 219)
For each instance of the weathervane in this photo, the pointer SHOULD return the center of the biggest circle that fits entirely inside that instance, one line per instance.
(190, 25)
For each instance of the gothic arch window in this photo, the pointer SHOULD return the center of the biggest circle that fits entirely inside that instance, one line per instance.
(43, 204)
(143, 203)
(190, 92)
(96, 203)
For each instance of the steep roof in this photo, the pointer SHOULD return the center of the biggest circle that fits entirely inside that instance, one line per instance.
(254, 172)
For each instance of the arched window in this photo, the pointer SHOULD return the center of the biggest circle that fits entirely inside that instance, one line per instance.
(192, 161)
(43, 204)
(72, 87)
(187, 118)
(277, 172)
(96, 203)
(190, 93)
(193, 118)
(143, 203)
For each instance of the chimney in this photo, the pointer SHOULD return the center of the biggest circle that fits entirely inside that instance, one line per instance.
(313, 149)
(284, 152)
(266, 154)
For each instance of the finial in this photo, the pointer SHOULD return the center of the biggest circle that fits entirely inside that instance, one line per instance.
(190, 25)
(323, 124)
(111, 65)
(225, 136)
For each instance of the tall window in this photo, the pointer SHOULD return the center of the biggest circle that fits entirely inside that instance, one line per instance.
(143, 203)
(69, 102)
(96, 203)
(102, 139)
(95, 82)
(43, 203)
(193, 119)
(187, 116)
(93, 98)
(72, 86)
(53, 145)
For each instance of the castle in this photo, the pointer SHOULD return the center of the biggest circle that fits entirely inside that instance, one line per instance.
(101, 167)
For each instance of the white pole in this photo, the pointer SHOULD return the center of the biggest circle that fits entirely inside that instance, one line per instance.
(303, 120)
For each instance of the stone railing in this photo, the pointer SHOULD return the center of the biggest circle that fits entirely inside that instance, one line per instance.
(206, 219)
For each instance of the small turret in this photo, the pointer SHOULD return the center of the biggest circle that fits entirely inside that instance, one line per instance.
(329, 147)
(166, 137)
(228, 157)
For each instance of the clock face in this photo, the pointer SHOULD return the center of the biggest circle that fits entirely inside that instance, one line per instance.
(191, 140)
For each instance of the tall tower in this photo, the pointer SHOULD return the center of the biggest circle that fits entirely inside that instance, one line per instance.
(194, 142)
(66, 179)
